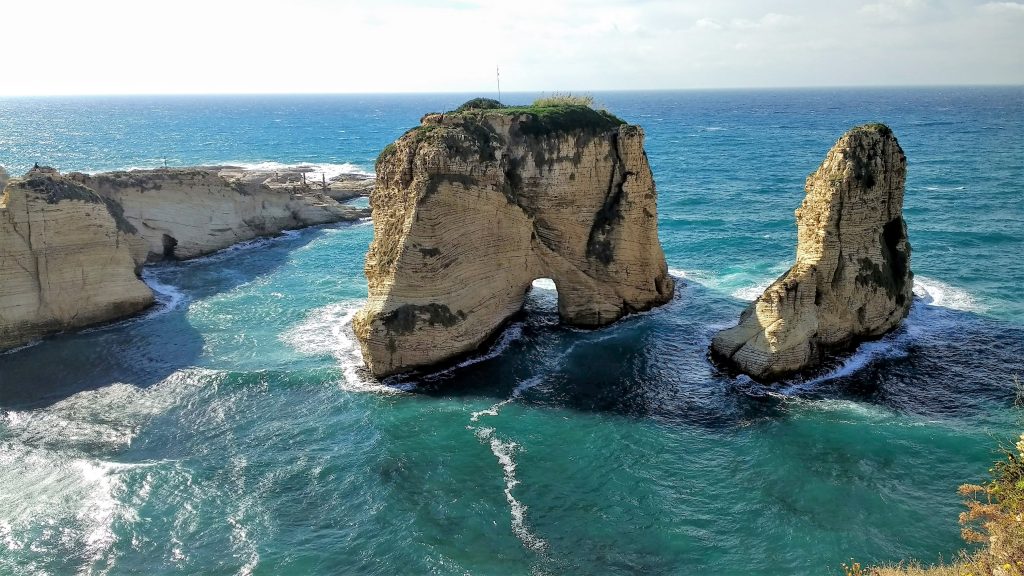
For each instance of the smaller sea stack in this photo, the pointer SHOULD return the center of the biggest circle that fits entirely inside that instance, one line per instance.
(851, 281)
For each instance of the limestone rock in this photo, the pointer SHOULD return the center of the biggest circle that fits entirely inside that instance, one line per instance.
(68, 259)
(187, 212)
(348, 186)
(471, 207)
(852, 278)
(3, 178)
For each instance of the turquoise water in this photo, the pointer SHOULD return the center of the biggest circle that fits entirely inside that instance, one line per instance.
(231, 431)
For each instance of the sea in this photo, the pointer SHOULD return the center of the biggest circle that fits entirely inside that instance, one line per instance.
(231, 429)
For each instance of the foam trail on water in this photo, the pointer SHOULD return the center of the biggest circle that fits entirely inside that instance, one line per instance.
(505, 453)
(246, 245)
(516, 393)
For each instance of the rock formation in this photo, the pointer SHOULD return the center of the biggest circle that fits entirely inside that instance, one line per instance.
(68, 259)
(852, 278)
(72, 247)
(187, 212)
(471, 207)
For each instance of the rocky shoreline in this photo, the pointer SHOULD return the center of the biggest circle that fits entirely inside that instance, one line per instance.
(472, 206)
(72, 246)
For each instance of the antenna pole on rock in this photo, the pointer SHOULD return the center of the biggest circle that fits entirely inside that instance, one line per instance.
(498, 70)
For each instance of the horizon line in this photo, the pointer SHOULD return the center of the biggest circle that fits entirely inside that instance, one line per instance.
(557, 91)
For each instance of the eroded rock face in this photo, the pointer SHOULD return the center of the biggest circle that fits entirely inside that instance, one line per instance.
(68, 259)
(470, 208)
(187, 212)
(852, 278)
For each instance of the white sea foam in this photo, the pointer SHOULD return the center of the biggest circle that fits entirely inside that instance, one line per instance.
(935, 293)
(82, 420)
(314, 170)
(327, 331)
(750, 293)
(168, 297)
(44, 487)
(246, 245)
(516, 393)
(505, 453)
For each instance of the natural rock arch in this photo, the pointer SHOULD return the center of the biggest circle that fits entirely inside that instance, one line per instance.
(470, 208)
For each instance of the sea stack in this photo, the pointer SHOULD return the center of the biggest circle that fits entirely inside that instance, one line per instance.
(68, 258)
(852, 279)
(472, 206)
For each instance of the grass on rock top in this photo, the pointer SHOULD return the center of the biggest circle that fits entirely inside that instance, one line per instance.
(546, 116)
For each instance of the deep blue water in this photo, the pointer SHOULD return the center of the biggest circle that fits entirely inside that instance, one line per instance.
(231, 431)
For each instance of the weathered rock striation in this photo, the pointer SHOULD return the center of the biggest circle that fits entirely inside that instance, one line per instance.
(187, 212)
(68, 259)
(72, 247)
(852, 278)
(471, 207)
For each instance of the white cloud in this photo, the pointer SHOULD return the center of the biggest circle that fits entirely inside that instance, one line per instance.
(1003, 7)
(768, 21)
(127, 46)
(893, 9)
(708, 23)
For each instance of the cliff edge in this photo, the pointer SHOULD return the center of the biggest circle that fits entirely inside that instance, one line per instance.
(852, 278)
(68, 259)
(183, 213)
(471, 207)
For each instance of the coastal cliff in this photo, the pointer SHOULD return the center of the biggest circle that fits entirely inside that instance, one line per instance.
(852, 278)
(72, 246)
(471, 207)
(183, 213)
(68, 259)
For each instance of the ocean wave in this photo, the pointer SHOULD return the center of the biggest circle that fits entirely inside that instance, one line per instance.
(168, 297)
(82, 420)
(22, 347)
(328, 170)
(316, 169)
(945, 189)
(936, 293)
(327, 331)
(247, 245)
(46, 447)
(80, 492)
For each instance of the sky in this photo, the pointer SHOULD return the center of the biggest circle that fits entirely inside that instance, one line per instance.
(338, 46)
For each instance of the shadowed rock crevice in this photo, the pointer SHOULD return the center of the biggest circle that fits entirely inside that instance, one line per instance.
(852, 278)
(502, 197)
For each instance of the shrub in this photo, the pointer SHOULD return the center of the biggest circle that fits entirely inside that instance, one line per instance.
(480, 104)
(566, 99)
(994, 517)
